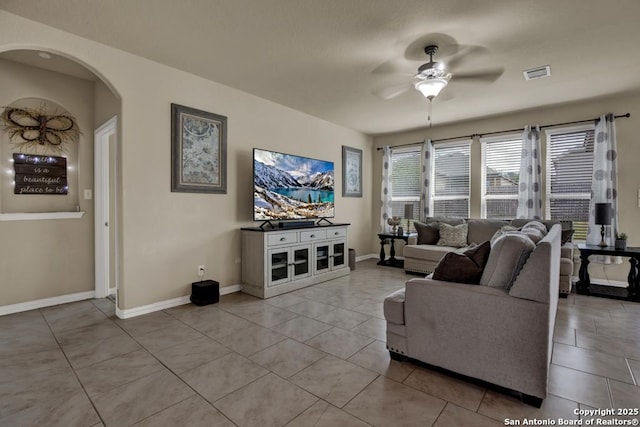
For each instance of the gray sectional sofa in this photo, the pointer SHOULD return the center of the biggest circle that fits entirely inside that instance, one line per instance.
(421, 258)
(501, 335)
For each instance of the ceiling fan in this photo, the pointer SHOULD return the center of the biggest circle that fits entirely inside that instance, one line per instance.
(433, 76)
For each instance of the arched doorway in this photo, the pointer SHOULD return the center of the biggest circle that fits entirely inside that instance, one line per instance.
(51, 274)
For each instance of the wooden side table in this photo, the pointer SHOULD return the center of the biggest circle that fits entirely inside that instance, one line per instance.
(392, 261)
(584, 286)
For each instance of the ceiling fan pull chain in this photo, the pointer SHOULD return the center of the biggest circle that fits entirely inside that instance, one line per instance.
(429, 113)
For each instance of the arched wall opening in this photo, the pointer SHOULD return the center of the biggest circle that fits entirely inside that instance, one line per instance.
(47, 252)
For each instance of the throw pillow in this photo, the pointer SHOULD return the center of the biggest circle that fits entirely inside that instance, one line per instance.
(536, 225)
(466, 267)
(533, 233)
(428, 234)
(453, 235)
(508, 255)
(503, 230)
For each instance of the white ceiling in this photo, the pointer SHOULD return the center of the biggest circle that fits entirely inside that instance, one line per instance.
(328, 57)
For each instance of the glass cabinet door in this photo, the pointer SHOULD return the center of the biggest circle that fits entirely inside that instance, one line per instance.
(322, 257)
(338, 254)
(301, 265)
(279, 266)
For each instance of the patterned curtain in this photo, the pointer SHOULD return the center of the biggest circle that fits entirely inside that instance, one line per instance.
(427, 167)
(385, 196)
(604, 184)
(529, 191)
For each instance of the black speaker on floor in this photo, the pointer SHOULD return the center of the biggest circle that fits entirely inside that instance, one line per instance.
(205, 292)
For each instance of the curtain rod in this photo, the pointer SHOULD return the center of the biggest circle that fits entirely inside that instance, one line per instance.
(627, 115)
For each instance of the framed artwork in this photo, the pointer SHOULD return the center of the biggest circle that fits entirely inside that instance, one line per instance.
(198, 151)
(351, 172)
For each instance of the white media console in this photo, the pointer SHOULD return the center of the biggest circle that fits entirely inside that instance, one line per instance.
(282, 260)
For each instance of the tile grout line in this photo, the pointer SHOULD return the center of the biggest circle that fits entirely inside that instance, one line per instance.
(174, 373)
(75, 374)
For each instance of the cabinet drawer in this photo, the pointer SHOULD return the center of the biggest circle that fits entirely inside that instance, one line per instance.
(282, 239)
(339, 232)
(310, 236)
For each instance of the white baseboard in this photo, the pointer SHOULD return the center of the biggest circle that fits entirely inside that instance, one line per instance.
(163, 305)
(123, 314)
(230, 289)
(368, 256)
(46, 302)
(150, 308)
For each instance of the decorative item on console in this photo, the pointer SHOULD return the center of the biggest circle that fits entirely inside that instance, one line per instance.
(621, 241)
(408, 215)
(394, 221)
(603, 218)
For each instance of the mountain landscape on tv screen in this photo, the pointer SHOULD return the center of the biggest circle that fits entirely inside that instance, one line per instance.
(291, 187)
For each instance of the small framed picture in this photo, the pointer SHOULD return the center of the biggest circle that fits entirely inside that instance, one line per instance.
(351, 172)
(198, 151)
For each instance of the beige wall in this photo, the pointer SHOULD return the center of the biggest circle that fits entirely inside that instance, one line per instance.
(628, 147)
(164, 236)
(42, 259)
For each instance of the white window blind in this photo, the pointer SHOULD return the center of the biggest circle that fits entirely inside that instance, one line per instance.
(500, 176)
(569, 172)
(450, 195)
(406, 172)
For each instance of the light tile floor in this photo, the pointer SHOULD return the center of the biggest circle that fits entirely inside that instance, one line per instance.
(313, 357)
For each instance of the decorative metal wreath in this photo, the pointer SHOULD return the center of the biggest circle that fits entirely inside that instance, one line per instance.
(30, 127)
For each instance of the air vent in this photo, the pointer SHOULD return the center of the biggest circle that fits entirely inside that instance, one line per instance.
(537, 73)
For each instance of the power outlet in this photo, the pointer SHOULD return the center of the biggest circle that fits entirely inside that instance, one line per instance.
(201, 270)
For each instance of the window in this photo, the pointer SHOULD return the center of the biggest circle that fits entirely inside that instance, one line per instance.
(569, 171)
(450, 195)
(406, 170)
(500, 176)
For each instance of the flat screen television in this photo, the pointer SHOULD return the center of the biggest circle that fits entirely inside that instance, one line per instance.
(291, 187)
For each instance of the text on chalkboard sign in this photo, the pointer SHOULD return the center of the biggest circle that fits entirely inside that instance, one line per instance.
(40, 174)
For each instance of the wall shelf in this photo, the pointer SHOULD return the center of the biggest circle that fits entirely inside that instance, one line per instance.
(31, 216)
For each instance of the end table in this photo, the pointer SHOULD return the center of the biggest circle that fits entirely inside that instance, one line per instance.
(392, 261)
(584, 286)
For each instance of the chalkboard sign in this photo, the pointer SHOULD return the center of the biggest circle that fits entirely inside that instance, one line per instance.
(40, 174)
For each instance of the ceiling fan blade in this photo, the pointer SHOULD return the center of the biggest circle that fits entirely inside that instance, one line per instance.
(487, 76)
(391, 92)
(464, 54)
(403, 68)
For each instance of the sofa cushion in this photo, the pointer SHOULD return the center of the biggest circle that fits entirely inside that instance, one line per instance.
(428, 234)
(566, 267)
(508, 255)
(481, 230)
(566, 251)
(463, 267)
(453, 235)
(426, 252)
(450, 221)
(394, 307)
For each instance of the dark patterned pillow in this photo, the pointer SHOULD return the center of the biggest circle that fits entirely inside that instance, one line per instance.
(428, 234)
(466, 267)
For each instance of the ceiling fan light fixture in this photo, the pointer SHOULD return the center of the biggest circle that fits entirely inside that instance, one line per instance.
(430, 88)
